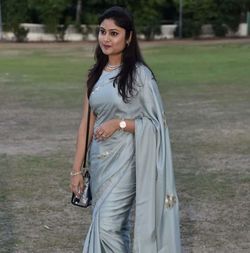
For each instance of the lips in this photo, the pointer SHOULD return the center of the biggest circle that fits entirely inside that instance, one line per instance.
(106, 46)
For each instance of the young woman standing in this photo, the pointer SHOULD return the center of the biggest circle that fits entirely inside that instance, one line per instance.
(129, 153)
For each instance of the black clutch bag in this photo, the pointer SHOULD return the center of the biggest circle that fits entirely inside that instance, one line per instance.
(85, 197)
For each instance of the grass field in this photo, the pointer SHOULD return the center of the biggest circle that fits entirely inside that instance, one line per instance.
(206, 89)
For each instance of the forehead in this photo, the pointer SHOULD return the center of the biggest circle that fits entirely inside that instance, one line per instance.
(109, 24)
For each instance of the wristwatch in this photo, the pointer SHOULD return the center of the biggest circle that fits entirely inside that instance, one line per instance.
(122, 124)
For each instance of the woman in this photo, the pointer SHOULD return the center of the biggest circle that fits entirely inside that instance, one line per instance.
(129, 151)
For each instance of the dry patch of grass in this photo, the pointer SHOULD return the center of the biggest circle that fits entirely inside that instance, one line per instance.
(208, 116)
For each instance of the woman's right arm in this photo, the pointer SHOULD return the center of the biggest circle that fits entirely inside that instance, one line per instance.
(77, 180)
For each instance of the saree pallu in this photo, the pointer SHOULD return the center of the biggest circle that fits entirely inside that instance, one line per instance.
(132, 167)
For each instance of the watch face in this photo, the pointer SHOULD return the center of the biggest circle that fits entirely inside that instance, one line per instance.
(122, 124)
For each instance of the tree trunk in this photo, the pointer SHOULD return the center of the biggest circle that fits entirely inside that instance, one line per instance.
(1, 24)
(78, 11)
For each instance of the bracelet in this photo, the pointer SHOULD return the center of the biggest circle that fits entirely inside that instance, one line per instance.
(72, 173)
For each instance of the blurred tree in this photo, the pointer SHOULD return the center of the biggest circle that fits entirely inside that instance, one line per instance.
(169, 12)
(148, 16)
(14, 13)
(229, 13)
(78, 12)
(195, 14)
(220, 13)
(1, 24)
(147, 13)
(245, 7)
(94, 8)
(53, 14)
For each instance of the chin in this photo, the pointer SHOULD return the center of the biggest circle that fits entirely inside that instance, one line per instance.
(106, 52)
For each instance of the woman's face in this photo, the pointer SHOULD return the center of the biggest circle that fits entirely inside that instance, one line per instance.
(111, 38)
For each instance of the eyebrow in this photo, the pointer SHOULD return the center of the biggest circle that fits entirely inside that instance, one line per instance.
(112, 29)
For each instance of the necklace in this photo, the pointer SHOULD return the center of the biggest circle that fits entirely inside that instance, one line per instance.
(112, 67)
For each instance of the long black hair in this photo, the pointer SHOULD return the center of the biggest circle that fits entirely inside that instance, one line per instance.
(130, 57)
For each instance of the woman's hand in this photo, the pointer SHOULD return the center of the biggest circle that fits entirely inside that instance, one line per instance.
(76, 184)
(106, 129)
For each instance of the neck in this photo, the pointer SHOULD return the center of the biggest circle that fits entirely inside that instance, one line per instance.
(115, 60)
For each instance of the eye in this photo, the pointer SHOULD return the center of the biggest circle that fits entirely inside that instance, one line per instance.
(101, 31)
(114, 34)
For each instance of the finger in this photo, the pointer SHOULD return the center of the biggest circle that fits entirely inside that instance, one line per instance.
(81, 187)
(104, 136)
(101, 134)
(97, 134)
(75, 189)
(77, 193)
(71, 187)
(99, 130)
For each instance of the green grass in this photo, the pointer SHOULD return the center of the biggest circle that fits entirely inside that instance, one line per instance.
(207, 90)
(47, 76)
(192, 66)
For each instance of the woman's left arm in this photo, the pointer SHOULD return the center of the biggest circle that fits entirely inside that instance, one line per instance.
(106, 129)
(130, 125)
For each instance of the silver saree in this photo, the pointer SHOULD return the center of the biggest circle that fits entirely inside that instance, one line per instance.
(132, 167)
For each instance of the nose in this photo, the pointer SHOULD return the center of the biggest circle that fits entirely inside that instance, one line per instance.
(106, 37)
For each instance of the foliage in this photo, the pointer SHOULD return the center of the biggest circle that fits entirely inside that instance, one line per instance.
(14, 12)
(219, 29)
(228, 13)
(148, 14)
(20, 33)
(195, 14)
(148, 17)
(54, 15)
(220, 13)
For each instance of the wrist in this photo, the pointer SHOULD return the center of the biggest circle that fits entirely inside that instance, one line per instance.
(122, 124)
(117, 124)
(76, 170)
(75, 173)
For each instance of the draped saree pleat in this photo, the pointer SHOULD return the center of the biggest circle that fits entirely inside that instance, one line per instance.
(131, 167)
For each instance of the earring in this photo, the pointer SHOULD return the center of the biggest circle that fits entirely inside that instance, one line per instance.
(127, 43)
